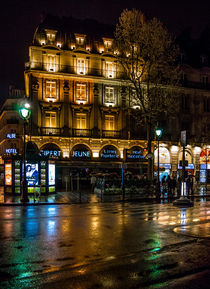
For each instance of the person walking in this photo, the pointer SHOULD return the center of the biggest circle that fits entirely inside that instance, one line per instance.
(93, 182)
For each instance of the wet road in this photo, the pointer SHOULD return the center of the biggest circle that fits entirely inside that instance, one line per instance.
(105, 246)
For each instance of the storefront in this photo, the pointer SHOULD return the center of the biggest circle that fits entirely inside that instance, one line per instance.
(40, 171)
(136, 161)
(164, 162)
(205, 166)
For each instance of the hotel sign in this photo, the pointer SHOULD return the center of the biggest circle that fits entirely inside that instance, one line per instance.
(11, 135)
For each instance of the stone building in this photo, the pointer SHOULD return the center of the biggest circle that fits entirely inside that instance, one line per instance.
(82, 107)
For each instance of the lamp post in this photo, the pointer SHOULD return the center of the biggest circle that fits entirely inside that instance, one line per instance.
(25, 113)
(158, 133)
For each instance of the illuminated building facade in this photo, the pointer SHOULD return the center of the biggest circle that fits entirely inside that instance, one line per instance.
(82, 107)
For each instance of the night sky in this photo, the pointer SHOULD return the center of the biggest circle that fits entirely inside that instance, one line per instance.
(19, 20)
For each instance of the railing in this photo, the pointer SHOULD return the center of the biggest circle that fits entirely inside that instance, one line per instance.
(81, 132)
(50, 131)
(111, 133)
(94, 71)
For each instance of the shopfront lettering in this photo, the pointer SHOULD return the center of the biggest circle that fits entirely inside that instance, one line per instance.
(81, 154)
(11, 135)
(10, 151)
(51, 153)
(109, 154)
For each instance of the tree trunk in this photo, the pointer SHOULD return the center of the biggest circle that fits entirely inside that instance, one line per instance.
(149, 145)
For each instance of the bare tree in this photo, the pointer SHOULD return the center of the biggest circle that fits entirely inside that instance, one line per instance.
(148, 56)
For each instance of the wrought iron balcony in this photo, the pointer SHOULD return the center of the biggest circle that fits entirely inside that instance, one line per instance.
(111, 133)
(82, 132)
(50, 131)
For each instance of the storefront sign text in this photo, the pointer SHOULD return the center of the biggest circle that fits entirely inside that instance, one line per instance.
(11, 135)
(81, 154)
(109, 154)
(10, 151)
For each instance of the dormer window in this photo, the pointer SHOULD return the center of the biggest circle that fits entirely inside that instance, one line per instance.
(51, 34)
(107, 43)
(80, 39)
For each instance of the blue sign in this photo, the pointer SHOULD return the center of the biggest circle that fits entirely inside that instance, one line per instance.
(203, 166)
(165, 166)
(189, 167)
(203, 176)
(51, 153)
(11, 151)
(109, 154)
(81, 154)
(11, 135)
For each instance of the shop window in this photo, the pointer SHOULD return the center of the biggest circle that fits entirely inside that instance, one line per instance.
(51, 63)
(50, 119)
(109, 122)
(81, 67)
(109, 97)
(50, 93)
(109, 69)
(81, 120)
(81, 92)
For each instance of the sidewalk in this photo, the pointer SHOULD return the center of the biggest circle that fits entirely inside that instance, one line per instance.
(85, 197)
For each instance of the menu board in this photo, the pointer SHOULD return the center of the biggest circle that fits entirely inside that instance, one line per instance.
(43, 173)
(8, 174)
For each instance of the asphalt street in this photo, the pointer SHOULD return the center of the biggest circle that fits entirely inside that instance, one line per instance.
(105, 245)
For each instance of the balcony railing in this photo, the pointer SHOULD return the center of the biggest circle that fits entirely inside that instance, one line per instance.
(81, 132)
(111, 133)
(92, 71)
(50, 131)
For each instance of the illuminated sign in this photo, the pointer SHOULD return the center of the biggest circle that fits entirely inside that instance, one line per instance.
(203, 166)
(32, 174)
(109, 154)
(51, 174)
(188, 167)
(11, 135)
(8, 174)
(51, 153)
(10, 151)
(165, 166)
(203, 176)
(134, 154)
(81, 154)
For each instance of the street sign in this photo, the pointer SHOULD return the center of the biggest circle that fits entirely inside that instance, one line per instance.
(183, 138)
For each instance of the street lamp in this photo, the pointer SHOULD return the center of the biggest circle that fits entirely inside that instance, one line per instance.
(158, 133)
(25, 113)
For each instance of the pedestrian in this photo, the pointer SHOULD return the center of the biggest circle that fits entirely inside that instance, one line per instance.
(191, 185)
(188, 185)
(178, 187)
(163, 184)
(169, 184)
(93, 182)
(173, 186)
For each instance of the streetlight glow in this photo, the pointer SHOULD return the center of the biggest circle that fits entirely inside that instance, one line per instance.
(158, 132)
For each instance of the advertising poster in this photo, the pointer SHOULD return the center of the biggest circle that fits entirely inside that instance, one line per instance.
(8, 174)
(32, 174)
(51, 174)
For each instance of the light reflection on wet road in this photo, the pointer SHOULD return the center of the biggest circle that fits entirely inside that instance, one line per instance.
(104, 246)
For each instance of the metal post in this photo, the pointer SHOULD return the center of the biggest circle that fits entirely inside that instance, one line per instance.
(206, 168)
(123, 187)
(24, 193)
(158, 169)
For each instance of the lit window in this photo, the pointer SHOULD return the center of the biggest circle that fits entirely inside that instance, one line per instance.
(81, 120)
(109, 122)
(51, 63)
(50, 90)
(109, 98)
(81, 92)
(81, 65)
(50, 119)
(109, 69)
